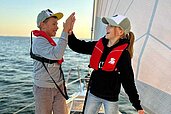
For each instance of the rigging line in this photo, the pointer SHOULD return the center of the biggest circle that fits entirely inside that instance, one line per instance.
(128, 7)
(101, 25)
(147, 37)
(140, 37)
(110, 8)
(20, 110)
(24, 108)
(106, 8)
(164, 44)
(116, 7)
(100, 12)
(100, 4)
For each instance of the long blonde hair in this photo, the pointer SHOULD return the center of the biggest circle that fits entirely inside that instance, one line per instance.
(131, 37)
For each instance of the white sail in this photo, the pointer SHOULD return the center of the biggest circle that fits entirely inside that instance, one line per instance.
(151, 24)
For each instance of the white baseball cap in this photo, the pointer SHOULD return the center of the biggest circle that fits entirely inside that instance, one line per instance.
(119, 21)
(43, 15)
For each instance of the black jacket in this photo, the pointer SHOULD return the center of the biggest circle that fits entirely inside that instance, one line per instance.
(106, 84)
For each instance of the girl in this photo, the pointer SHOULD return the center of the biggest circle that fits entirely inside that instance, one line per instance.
(111, 61)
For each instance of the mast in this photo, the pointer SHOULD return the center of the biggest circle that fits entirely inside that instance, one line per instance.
(93, 15)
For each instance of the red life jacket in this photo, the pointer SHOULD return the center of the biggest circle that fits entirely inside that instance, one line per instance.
(111, 60)
(50, 40)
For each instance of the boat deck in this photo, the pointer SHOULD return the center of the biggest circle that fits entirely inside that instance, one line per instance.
(76, 106)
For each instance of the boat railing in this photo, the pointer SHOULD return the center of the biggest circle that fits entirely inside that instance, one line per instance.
(72, 97)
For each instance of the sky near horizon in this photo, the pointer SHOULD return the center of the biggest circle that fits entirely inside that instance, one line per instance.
(18, 17)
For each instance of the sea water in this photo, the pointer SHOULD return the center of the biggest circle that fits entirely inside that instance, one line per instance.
(16, 75)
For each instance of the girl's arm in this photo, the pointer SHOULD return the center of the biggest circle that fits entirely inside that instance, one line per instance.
(81, 46)
(127, 79)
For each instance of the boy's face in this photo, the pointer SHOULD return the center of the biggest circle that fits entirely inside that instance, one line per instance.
(50, 26)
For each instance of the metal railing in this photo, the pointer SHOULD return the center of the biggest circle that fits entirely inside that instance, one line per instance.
(74, 95)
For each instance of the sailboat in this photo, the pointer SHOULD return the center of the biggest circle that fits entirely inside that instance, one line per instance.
(152, 50)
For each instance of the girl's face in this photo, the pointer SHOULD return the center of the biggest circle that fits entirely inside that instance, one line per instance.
(50, 26)
(113, 32)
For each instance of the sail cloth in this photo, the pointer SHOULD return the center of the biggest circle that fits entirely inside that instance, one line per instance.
(150, 20)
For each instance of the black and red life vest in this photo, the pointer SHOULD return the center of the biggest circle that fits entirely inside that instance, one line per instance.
(51, 41)
(45, 60)
(111, 60)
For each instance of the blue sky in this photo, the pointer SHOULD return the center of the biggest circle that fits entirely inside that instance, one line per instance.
(18, 17)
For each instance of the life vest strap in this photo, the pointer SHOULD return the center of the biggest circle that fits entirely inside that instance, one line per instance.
(50, 40)
(45, 60)
(42, 59)
(38, 58)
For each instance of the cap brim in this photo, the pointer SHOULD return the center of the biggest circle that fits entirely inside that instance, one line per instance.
(58, 15)
(109, 21)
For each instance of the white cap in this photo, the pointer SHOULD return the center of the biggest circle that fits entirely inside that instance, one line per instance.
(119, 21)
